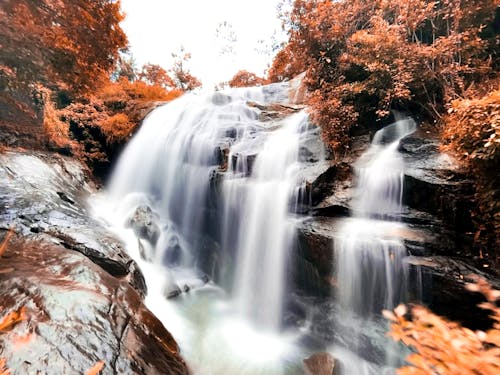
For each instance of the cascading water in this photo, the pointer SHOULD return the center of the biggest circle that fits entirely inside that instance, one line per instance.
(162, 196)
(369, 254)
(265, 233)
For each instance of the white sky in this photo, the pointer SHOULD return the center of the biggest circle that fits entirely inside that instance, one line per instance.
(156, 28)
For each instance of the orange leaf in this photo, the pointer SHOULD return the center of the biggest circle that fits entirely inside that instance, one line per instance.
(3, 370)
(96, 369)
(3, 245)
(12, 319)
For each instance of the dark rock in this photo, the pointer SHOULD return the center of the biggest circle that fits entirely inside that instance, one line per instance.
(243, 163)
(443, 288)
(172, 292)
(76, 315)
(144, 224)
(320, 364)
(313, 258)
(65, 197)
(435, 183)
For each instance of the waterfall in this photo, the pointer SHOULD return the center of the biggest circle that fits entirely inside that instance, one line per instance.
(265, 233)
(204, 196)
(369, 253)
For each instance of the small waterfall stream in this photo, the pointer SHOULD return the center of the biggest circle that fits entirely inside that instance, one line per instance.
(371, 274)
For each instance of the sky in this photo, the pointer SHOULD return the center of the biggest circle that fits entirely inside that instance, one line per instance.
(156, 28)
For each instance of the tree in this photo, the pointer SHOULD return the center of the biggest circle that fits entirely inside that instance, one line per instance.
(70, 44)
(183, 79)
(244, 78)
(363, 58)
(125, 67)
(154, 74)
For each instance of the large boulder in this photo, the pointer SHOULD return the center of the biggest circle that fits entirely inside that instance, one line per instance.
(43, 197)
(75, 315)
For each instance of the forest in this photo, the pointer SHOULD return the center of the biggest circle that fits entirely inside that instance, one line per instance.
(70, 86)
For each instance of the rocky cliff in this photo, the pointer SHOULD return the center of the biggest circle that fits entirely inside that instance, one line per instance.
(80, 293)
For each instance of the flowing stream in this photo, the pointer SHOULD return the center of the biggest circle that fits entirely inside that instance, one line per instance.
(371, 273)
(205, 197)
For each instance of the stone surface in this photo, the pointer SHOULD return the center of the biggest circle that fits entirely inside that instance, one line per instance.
(443, 288)
(76, 315)
(144, 224)
(437, 213)
(43, 197)
(320, 364)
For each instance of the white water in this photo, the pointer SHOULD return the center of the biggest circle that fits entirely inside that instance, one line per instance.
(232, 326)
(370, 269)
(265, 231)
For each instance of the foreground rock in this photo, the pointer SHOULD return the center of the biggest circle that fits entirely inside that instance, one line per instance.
(82, 293)
(42, 196)
(76, 315)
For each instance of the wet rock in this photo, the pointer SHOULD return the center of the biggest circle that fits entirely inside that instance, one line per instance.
(275, 111)
(43, 197)
(320, 364)
(172, 292)
(443, 288)
(65, 198)
(243, 163)
(435, 183)
(76, 315)
(144, 224)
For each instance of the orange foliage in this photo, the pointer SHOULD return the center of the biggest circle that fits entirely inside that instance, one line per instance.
(446, 348)
(155, 75)
(12, 318)
(246, 79)
(116, 127)
(472, 128)
(183, 79)
(472, 132)
(5, 242)
(3, 370)
(368, 57)
(66, 43)
(56, 130)
(98, 124)
(96, 369)
(124, 91)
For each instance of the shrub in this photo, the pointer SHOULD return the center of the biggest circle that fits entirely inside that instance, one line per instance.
(374, 56)
(471, 131)
(446, 348)
(246, 79)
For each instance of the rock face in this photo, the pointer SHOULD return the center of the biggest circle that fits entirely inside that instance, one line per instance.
(437, 198)
(76, 315)
(81, 291)
(42, 197)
